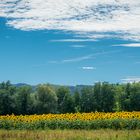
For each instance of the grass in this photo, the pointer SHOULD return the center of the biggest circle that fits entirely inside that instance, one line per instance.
(70, 135)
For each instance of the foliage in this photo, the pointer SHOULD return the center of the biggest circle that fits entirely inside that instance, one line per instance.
(101, 97)
(46, 99)
(65, 100)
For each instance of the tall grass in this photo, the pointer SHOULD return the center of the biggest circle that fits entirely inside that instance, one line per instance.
(70, 135)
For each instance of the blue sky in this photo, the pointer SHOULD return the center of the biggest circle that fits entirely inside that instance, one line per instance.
(40, 44)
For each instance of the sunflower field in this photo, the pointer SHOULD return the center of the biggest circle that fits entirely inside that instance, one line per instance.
(97, 120)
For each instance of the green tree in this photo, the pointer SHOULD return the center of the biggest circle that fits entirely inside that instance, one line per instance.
(119, 93)
(65, 100)
(77, 100)
(46, 99)
(135, 97)
(23, 100)
(125, 98)
(98, 96)
(87, 100)
(108, 97)
(6, 99)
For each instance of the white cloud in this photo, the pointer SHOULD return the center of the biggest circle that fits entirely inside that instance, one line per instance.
(131, 79)
(134, 45)
(73, 40)
(90, 16)
(78, 59)
(83, 58)
(88, 68)
(78, 46)
(74, 59)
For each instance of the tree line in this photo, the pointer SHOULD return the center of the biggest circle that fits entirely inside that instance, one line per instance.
(45, 98)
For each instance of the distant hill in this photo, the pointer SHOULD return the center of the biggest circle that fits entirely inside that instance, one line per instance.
(21, 84)
(24, 84)
(72, 88)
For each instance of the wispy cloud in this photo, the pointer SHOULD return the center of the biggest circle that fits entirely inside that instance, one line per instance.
(85, 16)
(88, 68)
(134, 45)
(131, 79)
(78, 46)
(74, 59)
(83, 58)
(78, 59)
(73, 40)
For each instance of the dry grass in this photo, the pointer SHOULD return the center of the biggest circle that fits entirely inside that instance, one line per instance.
(71, 135)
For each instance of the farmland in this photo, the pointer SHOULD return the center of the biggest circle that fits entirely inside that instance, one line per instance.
(87, 121)
(101, 112)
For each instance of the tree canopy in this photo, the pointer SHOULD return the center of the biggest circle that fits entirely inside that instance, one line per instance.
(45, 98)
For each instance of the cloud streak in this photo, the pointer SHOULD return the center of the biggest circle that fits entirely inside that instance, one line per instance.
(78, 59)
(133, 45)
(78, 46)
(73, 40)
(88, 68)
(90, 16)
(82, 58)
(131, 79)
